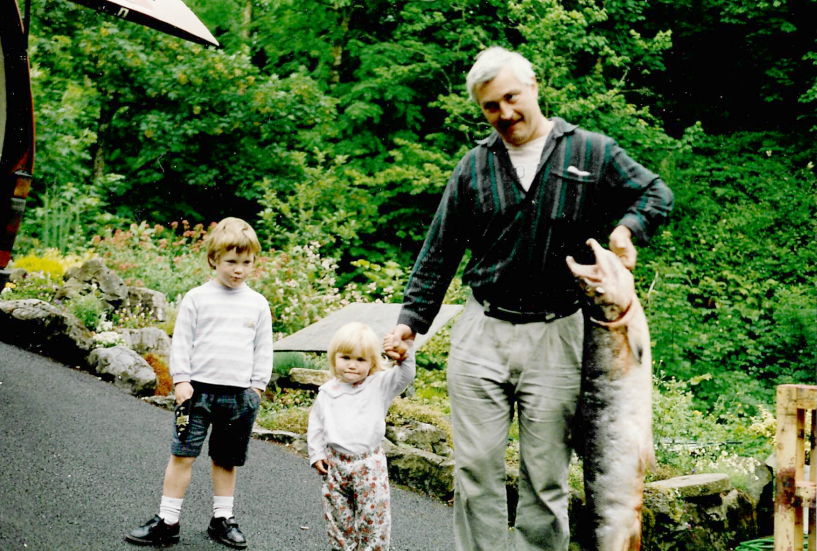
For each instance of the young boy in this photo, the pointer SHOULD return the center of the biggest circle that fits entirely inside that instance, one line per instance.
(221, 362)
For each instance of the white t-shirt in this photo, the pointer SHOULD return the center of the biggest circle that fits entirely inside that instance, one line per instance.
(525, 159)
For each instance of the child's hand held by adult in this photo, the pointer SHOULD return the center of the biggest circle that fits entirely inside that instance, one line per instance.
(397, 343)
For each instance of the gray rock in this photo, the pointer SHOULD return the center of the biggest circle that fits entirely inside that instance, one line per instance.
(72, 288)
(698, 517)
(292, 440)
(151, 302)
(94, 272)
(422, 470)
(418, 435)
(127, 369)
(309, 377)
(18, 274)
(45, 329)
(695, 485)
(165, 402)
(147, 340)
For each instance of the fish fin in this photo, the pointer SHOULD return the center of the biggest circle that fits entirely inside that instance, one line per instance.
(636, 346)
(635, 535)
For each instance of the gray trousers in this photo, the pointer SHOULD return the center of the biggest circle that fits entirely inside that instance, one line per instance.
(493, 366)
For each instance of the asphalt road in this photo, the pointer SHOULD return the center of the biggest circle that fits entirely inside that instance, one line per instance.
(81, 463)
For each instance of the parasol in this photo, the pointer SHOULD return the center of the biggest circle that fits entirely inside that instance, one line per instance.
(169, 16)
(16, 130)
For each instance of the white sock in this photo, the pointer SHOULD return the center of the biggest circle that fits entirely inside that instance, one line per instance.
(171, 509)
(222, 506)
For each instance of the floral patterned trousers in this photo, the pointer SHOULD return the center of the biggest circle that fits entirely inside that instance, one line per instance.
(356, 501)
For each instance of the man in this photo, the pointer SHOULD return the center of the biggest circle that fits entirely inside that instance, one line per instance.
(522, 201)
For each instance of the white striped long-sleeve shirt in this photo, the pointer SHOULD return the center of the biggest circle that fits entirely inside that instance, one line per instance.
(223, 336)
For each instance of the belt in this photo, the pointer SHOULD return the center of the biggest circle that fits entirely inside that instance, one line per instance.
(515, 316)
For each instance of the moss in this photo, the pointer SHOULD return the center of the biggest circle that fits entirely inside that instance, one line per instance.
(403, 410)
(294, 419)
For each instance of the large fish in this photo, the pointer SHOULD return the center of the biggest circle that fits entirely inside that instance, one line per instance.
(615, 409)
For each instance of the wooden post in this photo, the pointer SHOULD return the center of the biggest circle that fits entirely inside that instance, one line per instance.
(794, 494)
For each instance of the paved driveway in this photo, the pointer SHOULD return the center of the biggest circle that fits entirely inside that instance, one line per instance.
(81, 462)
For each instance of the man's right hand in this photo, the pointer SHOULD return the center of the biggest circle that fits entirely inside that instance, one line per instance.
(394, 344)
(184, 391)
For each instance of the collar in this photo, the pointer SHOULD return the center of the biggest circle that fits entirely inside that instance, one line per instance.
(560, 128)
(336, 387)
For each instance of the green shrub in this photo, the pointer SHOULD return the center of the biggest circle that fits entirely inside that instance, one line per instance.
(283, 362)
(88, 308)
(36, 285)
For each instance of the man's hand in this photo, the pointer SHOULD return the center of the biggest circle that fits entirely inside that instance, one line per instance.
(184, 391)
(320, 466)
(621, 243)
(394, 344)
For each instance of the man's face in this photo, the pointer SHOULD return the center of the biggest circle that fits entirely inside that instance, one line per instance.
(511, 107)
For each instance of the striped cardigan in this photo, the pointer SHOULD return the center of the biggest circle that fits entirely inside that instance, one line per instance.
(585, 185)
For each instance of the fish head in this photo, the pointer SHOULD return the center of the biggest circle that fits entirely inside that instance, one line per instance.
(607, 283)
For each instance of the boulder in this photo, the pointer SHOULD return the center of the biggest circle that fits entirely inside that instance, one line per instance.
(309, 378)
(164, 402)
(147, 340)
(292, 440)
(422, 470)
(127, 369)
(111, 287)
(153, 303)
(45, 329)
(699, 513)
(419, 435)
(695, 485)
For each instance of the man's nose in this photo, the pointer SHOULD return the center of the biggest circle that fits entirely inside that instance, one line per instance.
(505, 111)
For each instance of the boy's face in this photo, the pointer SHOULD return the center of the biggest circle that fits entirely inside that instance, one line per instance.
(233, 268)
(352, 367)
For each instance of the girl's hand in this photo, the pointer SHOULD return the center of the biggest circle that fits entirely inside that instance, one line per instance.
(184, 391)
(397, 342)
(320, 466)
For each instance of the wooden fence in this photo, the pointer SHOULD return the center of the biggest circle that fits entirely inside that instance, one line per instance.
(794, 494)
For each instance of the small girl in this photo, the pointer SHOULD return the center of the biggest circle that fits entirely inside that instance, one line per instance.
(346, 426)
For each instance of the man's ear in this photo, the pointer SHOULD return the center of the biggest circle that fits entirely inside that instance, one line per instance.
(211, 263)
(535, 86)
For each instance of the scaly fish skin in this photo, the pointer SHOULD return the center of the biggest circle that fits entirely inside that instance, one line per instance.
(614, 429)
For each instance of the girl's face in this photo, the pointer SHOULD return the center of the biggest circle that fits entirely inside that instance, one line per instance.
(352, 367)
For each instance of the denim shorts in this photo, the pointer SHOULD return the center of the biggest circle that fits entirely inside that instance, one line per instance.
(231, 415)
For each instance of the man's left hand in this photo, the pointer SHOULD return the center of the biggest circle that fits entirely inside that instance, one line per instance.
(621, 243)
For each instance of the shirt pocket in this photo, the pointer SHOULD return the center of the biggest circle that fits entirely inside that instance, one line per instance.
(567, 196)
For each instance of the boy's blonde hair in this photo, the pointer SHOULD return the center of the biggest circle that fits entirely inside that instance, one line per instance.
(231, 234)
(356, 336)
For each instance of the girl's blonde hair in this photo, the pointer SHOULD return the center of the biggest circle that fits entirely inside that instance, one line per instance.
(231, 234)
(358, 337)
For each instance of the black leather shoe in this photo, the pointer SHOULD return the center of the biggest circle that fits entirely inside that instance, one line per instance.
(154, 532)
(226, 531)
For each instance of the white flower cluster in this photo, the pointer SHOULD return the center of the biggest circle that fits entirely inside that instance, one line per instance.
(108, 339)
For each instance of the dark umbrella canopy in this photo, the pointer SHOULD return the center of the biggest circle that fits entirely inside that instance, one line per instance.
(16, 130)
(169, 16)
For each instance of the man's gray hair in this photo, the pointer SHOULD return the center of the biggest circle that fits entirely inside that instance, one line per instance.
(491, 61)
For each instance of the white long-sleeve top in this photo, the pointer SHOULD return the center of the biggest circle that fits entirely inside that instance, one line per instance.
(352, 418)
(223, 336)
